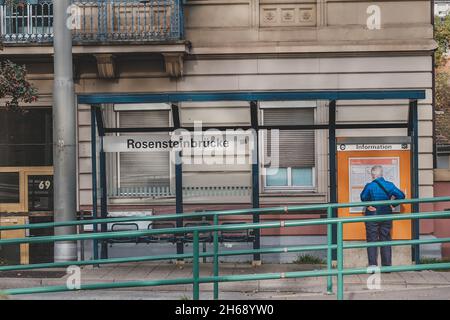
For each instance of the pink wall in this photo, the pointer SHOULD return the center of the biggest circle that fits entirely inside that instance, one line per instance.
(442, 226)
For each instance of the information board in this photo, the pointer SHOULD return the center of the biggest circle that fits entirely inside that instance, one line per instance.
(355, 159)
(360, 175)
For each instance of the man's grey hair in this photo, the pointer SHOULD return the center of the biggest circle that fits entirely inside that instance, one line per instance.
(377, 171)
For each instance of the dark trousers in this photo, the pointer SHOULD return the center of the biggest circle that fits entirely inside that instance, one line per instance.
(379, 231)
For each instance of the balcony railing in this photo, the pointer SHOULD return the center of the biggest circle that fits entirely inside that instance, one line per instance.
(94, 21)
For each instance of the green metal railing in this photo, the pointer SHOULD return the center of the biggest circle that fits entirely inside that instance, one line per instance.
(196, 279)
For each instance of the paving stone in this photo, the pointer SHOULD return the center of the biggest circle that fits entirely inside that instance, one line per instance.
(435, 278)
(446, 275)
(414, 278)
(289, 288)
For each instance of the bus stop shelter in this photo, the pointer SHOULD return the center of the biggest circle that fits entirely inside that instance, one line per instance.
(98, 129)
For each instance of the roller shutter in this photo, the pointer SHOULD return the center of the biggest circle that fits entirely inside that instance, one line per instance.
(147, 169)
(296, 148)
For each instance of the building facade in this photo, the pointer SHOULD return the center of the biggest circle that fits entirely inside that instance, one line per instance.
(131, 47)
(441, 8)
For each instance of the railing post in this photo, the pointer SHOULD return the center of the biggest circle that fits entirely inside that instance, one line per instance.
(103, 201)
(29, 30)
(179, 197)
(329, 251)
(180, 20)
(340, 262)
(2, 20)
(195, 267)
(99, 19)
(216, 257)
(81, 231)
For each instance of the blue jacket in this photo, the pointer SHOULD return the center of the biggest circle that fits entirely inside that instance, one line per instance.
(373, 192)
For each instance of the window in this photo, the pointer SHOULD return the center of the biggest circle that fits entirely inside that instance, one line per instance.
(33, 17)
(9, 187)
(26, 138)
(290, 177)
(443, 161)
(296, 150)
(146, 170)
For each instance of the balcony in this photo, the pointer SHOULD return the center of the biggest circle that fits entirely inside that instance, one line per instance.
(94, 22)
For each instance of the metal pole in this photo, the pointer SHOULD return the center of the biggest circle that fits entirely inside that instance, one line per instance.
(329, 251)
(340, 262)
(332, 164)
(414, 118)
(255, 179)
(195, 267)
(216, 257)
(81, 231)
(179, 197)
(64, 136)
(103, 201)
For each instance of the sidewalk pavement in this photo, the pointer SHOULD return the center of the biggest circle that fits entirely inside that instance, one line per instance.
(402, 285)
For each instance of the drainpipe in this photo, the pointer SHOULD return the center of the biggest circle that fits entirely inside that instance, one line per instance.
(64, 138)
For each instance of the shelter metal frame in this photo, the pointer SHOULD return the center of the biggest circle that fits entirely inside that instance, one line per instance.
(253, 97)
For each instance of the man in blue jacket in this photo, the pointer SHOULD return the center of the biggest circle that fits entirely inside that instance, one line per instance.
(378, 190)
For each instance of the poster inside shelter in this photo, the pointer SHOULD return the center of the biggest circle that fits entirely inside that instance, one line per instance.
(359, 171)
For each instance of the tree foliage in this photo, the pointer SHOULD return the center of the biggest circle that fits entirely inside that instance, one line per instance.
(442, 37)
(14, 86)
(442, 90)
(442, 80)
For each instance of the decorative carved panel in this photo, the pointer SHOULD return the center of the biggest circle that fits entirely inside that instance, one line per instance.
(291, 14)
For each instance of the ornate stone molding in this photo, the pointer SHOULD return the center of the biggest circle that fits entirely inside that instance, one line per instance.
(105, 66)
(299, 13)
(174, 64)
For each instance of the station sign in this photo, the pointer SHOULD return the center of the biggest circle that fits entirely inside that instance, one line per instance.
(373, 147)
(154, 143)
